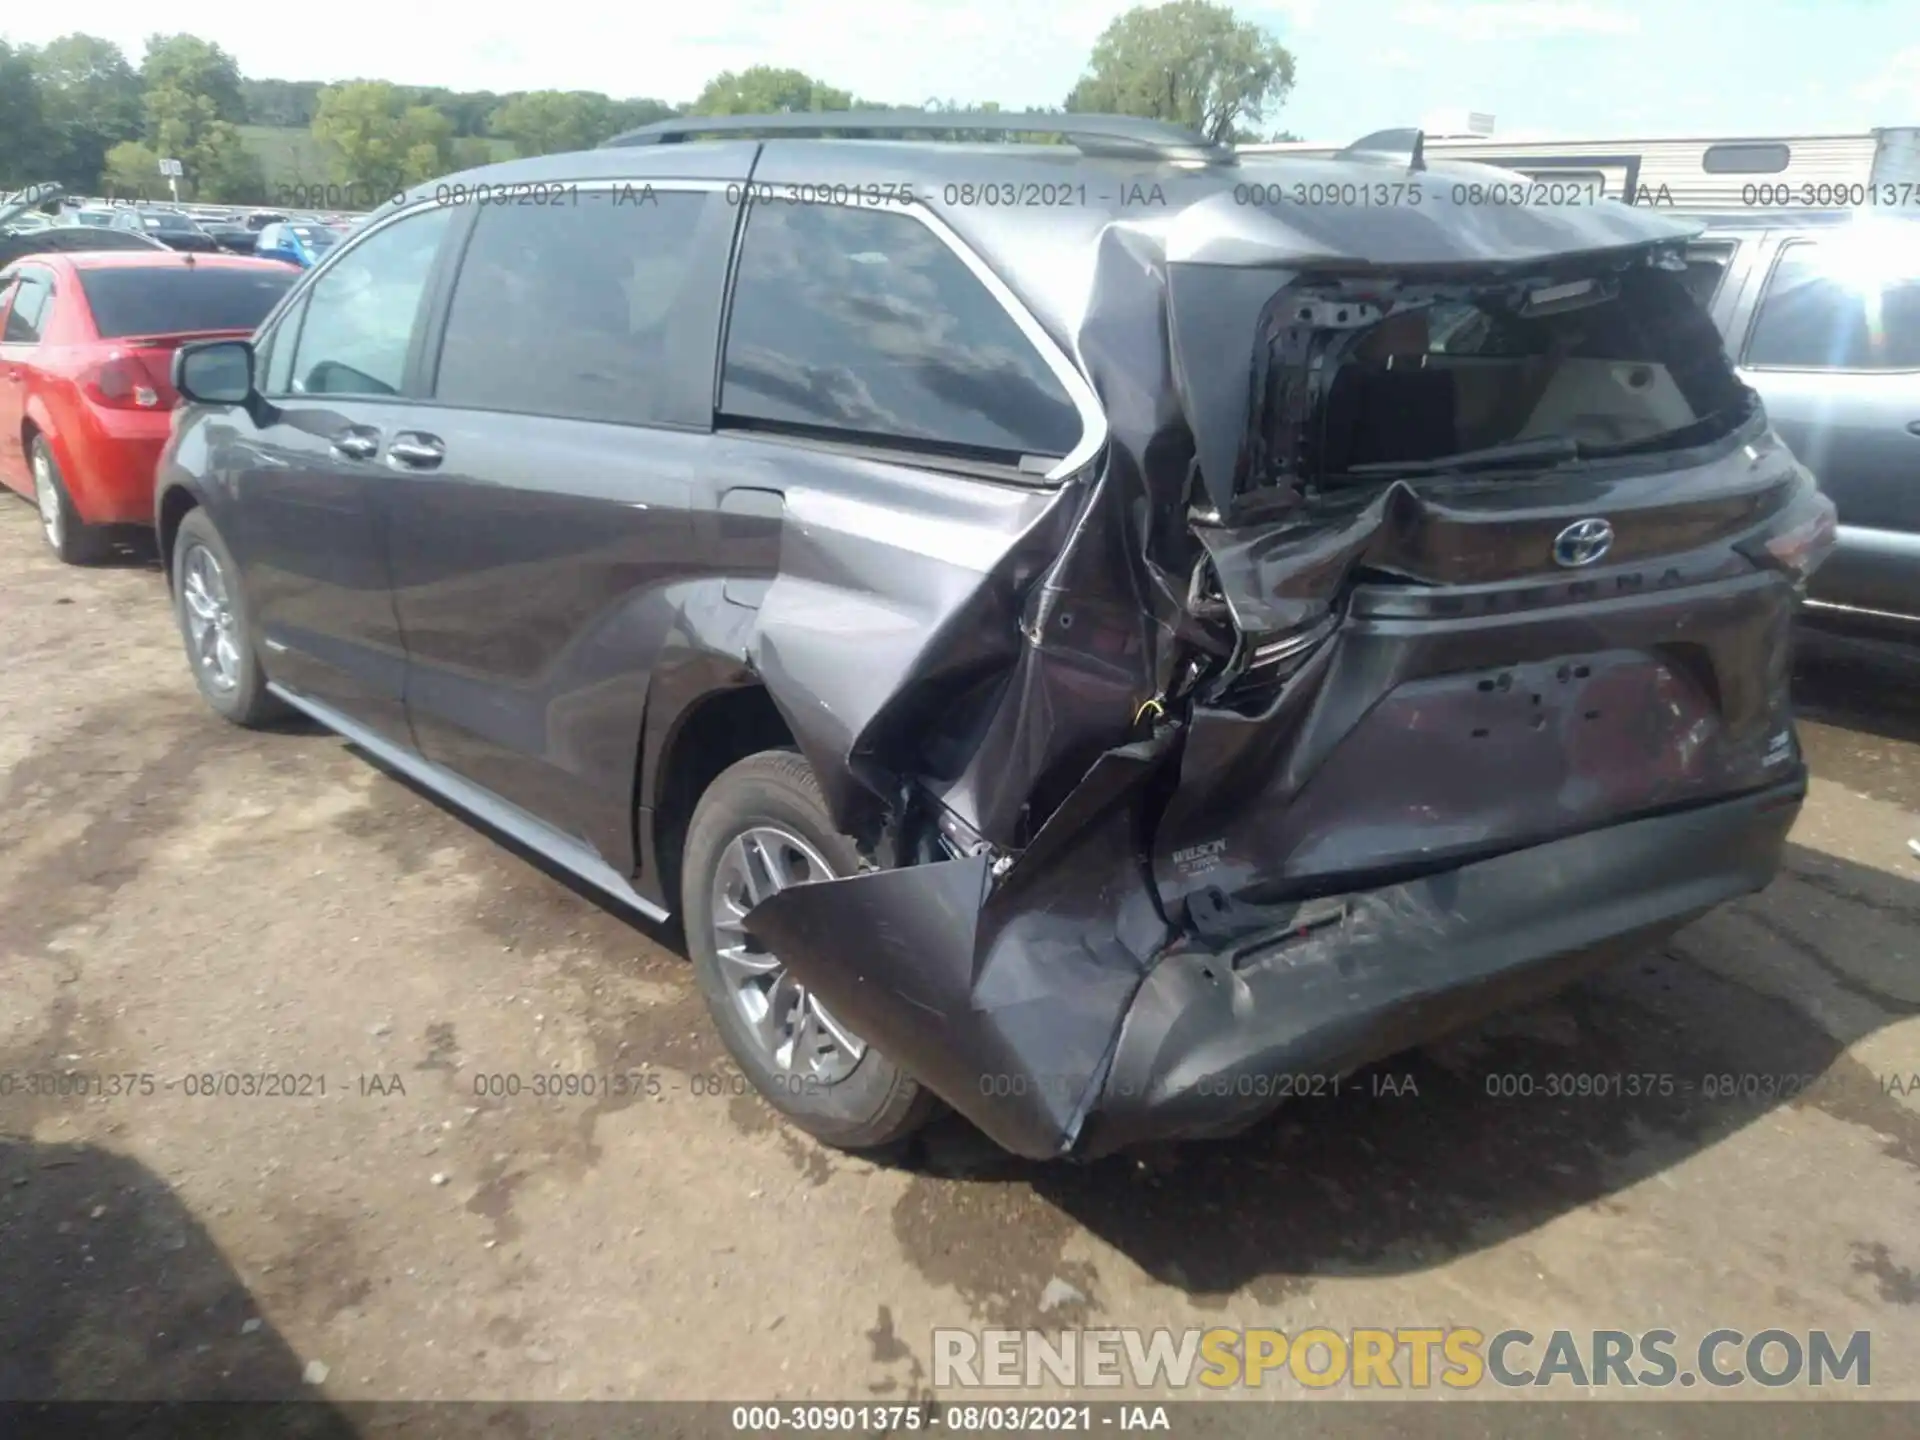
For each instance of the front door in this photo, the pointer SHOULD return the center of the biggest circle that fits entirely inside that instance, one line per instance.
(311, 473)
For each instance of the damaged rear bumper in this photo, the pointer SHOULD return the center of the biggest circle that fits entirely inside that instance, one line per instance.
(1216, 1038)
(1063, 1016)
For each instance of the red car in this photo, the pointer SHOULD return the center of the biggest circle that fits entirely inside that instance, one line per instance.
(86, 350)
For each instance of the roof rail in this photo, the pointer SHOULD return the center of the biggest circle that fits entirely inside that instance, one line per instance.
(1120, 136)
(1407, 145)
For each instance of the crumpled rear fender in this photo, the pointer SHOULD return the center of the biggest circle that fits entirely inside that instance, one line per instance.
(1004, 998)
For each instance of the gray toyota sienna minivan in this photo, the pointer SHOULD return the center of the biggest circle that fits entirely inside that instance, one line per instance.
(1095, 633)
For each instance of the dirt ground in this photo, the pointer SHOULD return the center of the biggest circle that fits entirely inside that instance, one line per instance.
(179, 898)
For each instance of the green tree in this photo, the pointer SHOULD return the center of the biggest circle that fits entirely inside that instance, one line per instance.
(194, 109)
(187, 127)
(765, 89)
(1188, 61)
(195, 67)
(90, 97)
(469, 152)
(552, 122)
(283, 104)
(625, 115)
(130, 170)
(379, 142)
(26, 142)
(470, 110)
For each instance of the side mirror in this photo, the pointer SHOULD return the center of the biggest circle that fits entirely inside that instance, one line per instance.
(214, 372)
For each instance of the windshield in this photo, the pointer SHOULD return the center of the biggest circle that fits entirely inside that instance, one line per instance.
(1536, 374)
(169, 222)
(94, 217)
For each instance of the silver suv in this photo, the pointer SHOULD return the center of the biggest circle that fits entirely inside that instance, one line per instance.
(1821, 313)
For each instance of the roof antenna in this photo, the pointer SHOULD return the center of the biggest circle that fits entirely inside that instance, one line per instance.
(1409, 145)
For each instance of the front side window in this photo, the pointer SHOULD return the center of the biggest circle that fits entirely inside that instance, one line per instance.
(26, 321)
(862, 322)
(1848, 303)
(360, 314)
(585, 310)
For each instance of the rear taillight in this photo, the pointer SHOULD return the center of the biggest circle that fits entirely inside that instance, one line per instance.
(123, 382)
(1806, 539)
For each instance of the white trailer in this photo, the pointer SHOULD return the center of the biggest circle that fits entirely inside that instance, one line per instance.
(1728, 172)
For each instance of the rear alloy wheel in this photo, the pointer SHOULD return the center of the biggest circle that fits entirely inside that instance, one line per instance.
(217, 627)
(761, 827)
(792, 1024)
(66, 534)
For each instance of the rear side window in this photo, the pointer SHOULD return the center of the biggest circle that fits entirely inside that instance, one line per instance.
(863, 322)
(26, 321)
(360, 314)
(587, 311)
(1851, 304)
(172, 301)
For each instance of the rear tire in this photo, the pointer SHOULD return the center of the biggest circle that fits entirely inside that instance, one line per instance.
(217, 627)
(806, 1068)
(66, 534)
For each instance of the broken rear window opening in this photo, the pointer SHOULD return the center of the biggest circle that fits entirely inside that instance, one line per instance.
(1366, 380)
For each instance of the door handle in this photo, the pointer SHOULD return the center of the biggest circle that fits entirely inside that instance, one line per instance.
(415, 451)
(1913, 427)
(356, 445)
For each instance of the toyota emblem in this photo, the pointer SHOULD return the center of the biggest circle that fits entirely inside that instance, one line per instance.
(1582, 543)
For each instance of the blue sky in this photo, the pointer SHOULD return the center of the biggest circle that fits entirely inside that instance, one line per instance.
(1546, 67)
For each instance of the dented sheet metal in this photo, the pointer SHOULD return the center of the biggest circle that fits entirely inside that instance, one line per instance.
(1007, 995)
(1068, 731)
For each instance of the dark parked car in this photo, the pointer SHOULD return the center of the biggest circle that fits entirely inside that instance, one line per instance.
(232, 236)
(1072, 631)
(22, 231)
(174, 229)
(1821, 313)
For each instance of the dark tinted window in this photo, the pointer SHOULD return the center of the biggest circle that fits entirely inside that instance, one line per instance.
(1706, 268)
(169, 222)
(360, 314)
(1847, 305)
(582, 310)
(26, 321)
(169, 300)
(862, 320)
(1768, 159)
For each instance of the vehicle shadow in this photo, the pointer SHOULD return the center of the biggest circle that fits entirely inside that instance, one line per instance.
(131, 547)
(111, 1291)
(1860, 681)
(1492, 1133)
